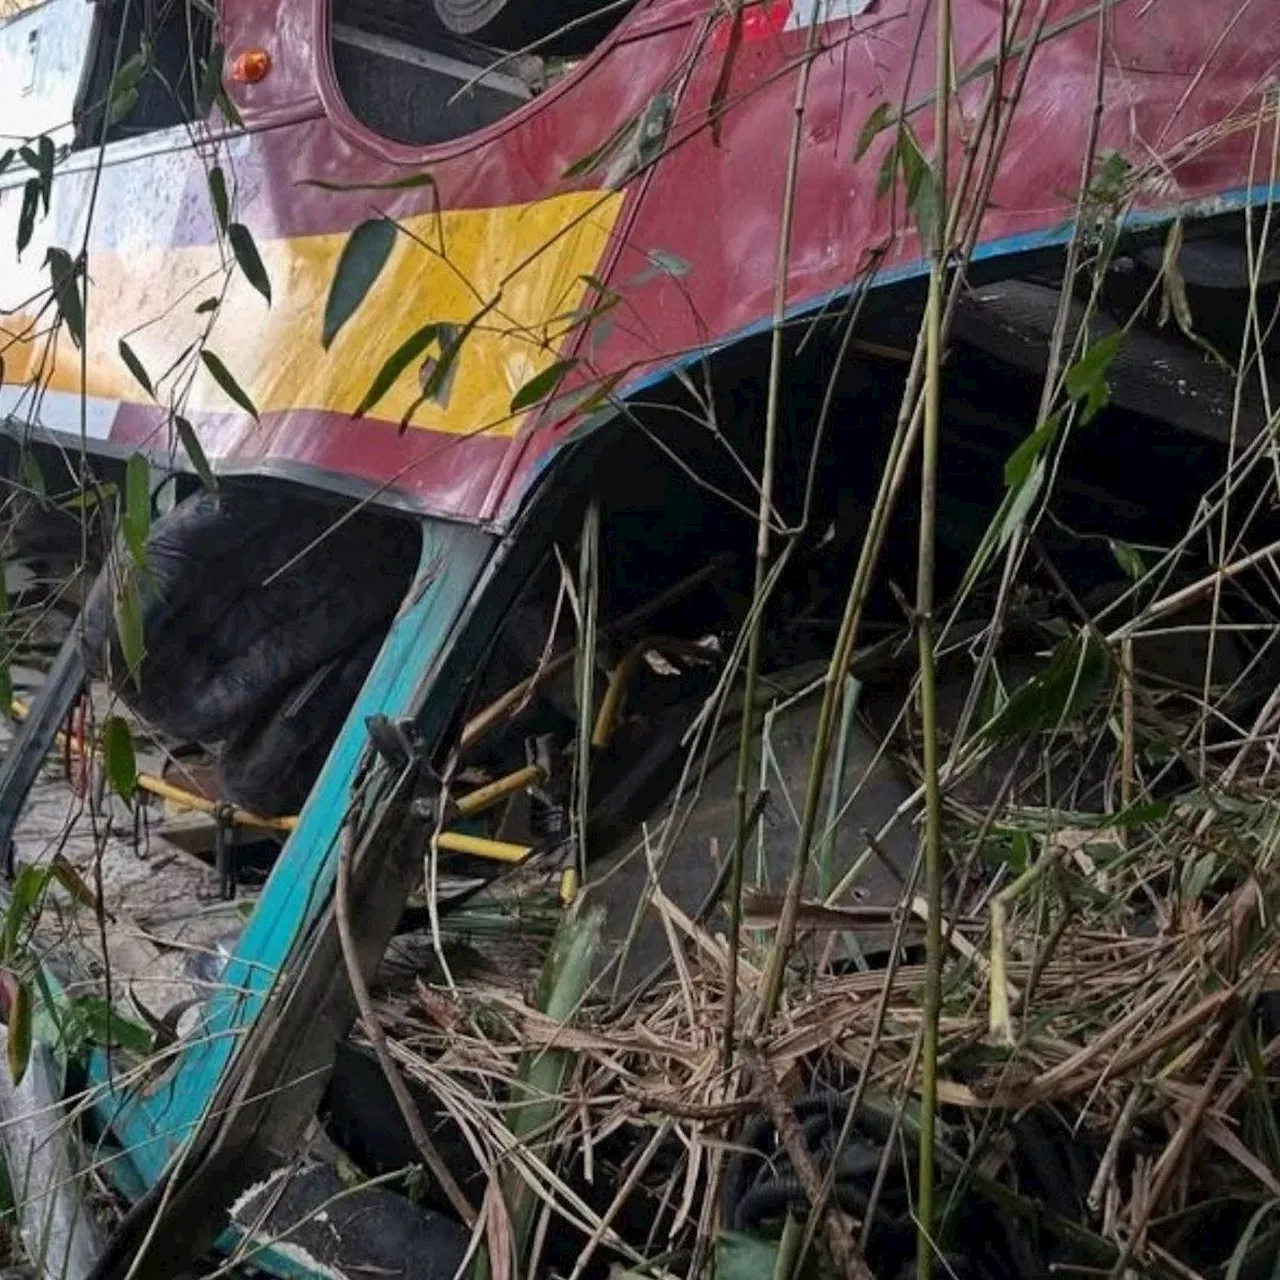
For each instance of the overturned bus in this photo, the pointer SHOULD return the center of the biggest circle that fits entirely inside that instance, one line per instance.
(398, 355)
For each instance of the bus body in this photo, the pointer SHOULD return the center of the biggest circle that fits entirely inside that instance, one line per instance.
(523, 255)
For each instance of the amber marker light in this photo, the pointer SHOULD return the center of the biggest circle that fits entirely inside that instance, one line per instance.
(251, 66)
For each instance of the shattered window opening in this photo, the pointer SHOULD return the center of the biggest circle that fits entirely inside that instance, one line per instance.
(157, 51)
(411, 73)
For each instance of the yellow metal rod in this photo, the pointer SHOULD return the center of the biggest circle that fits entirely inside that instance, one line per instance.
(623, 674)
(479, 847)
(482, 798)
(611, 704)
(450, 841)
(190, 800)
(179, 795)
(568, 885)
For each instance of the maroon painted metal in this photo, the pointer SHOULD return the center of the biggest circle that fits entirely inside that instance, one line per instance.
(689, 239)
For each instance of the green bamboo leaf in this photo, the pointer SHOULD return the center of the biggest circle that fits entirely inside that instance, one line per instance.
(50, 1020)
(363, 256)
(1173, 287)
(887, 174)
(123, 96)
(136, 520)
(395, 184)
(395, 364)
(19, 1032)
(227, 107)
(120, 759)
(130, 74)
(209, 304)
(127, 609)
(121, 106)
(1023, 499)
(72, 881)
(222, 376)
(1086, 380)
(1008, 519)
(47, 154)
(1128, 558)
(218, 195)
(64, 274)
(1174, 299)
(876, 123)
(992, 696)
(90, 496)
(1240, 1254)
(921, 192)
(195, 452)
(134, 365)
(541, 385)
(6, 158)
(1198, 875)
(437, 375)
(1068, 685)
(28, 888)
(104, 1025)
(41, 161)
(1107, 187)
(210, 81)
(1018, 468)
(1011, 849)
(247, 256)
(27, 214)
(541, 1073)
(594, 281)
(586, 400)
(911, 160)
(1142, 814)
(592, 315)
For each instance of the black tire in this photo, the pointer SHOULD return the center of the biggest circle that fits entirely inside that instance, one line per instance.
(270, 765)
(231, 624)
(343, 1230)
(513, 24)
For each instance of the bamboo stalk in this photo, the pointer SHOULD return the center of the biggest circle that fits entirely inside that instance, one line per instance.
(427, 1149)
(928, 675)
(755, 637)
(589, 595)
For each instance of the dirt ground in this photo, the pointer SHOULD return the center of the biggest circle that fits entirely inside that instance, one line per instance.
(161, 909)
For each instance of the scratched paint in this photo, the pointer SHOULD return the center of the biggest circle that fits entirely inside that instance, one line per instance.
(804, 13)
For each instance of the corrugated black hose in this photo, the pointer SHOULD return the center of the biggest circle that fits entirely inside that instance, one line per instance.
(986, 1242)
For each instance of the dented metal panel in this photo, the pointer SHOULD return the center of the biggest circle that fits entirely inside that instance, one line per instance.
(518, 219)
(614, 177)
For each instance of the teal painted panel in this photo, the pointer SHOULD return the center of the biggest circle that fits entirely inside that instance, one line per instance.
(295, 895)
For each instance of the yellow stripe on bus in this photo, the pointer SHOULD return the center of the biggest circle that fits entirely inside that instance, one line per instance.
(522, 265)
